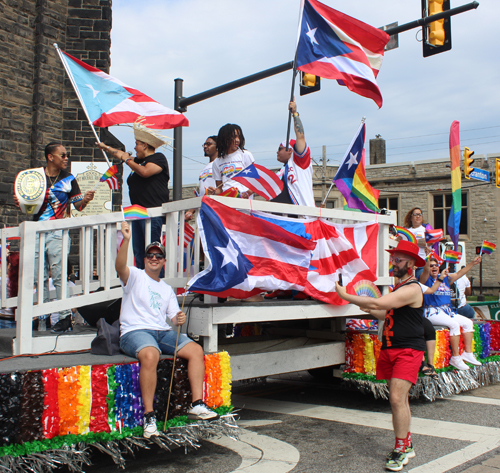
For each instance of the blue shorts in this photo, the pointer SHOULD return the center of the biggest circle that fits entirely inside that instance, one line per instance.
(163, 340)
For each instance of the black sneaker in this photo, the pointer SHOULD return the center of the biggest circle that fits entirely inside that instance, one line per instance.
(64, 325)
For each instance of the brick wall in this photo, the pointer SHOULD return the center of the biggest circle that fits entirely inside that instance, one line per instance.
(37, 102)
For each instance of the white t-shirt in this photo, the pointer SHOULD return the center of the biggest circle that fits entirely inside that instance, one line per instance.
(206, 179)
(462, 284)
(224, 168)
(419, 233)
(299, 171)
(146, 303)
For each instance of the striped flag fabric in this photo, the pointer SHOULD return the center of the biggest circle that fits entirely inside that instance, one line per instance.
(188, 234)
(113, 183)
(245, 255)
(110, 178)
(231, 192)
(487, 248)
(433, 236)
(453, 225)
(333, 45)
(260, 180)
(351, 179)
(108, 101)
(434, 255)
(451, 256)
(135, 212)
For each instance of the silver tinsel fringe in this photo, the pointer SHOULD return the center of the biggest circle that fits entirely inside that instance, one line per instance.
(447, 384)
(76, 456)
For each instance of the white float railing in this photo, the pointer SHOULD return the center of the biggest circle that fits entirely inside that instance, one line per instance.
(97, 250)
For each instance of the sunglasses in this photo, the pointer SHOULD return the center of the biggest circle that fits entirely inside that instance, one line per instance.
(434, 266)
(395, 259)
(157, 256)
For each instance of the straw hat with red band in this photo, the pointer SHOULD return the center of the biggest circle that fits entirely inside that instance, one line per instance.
(410, 249)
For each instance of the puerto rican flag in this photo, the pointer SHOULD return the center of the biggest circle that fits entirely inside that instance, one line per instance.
(108, 101)
(433, 236)
(347, 250)
(113, 183)
(246, 255)
(260, 180)
(188, 234)
(333, 45)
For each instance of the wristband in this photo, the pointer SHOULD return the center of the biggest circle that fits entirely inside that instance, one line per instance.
(127, 160)
(440, 280)
(296, 114)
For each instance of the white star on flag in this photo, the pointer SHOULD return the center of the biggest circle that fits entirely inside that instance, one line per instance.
(352, 160)
(230, 254)
(94, 92)
(311, 33)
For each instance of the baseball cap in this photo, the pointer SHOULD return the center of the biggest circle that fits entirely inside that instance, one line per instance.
(156, 244)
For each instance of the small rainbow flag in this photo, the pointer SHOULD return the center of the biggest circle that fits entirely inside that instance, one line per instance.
(406, 234)
(433, 254)
(451, 256)
(488, 248)
(109, 173)
(231, 192)
(135, 212)
(433, 236)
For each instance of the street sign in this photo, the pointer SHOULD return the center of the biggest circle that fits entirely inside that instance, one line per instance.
(480, 175)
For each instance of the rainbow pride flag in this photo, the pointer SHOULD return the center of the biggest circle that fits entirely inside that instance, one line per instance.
(231, 192)
(488, 248)
(434, 255)
(405, 234)
(451, 256)
(109, 173)
(351, 179)
(456, 184)
(135, 212)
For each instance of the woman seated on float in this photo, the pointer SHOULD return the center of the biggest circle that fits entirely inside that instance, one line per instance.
(439, 311)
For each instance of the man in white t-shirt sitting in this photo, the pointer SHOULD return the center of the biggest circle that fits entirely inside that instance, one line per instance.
(464, 289)
(145, 334)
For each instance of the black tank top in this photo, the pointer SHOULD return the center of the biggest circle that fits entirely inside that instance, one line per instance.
(403, 327)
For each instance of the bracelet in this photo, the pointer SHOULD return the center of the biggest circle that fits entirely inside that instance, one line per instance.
(440, 280)
(107, 148)
(296, 114)
(127, 160)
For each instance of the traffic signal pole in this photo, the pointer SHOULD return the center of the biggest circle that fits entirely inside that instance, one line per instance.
(181, 103)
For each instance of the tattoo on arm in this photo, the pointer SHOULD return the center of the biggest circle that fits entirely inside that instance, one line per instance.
(299, 128)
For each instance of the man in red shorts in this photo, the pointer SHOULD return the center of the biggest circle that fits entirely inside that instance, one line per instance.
(403, 343)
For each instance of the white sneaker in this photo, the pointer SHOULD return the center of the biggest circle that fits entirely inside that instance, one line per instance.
(458, 363)
(149, 425)
(201, 412)
(470, 358)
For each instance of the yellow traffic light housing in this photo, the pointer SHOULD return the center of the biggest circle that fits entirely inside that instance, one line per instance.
(497, 172)
(309, 83)
(437, 34)
(468, 162)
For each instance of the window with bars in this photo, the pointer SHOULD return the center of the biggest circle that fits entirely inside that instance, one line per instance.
(441, 212)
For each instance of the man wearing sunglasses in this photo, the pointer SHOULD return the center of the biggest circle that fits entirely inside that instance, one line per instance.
(145, 333)
(62, 191)
(403, 343)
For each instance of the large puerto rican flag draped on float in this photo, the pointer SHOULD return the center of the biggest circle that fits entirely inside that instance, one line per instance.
(333, 45)
(251, 253)
(108, 101)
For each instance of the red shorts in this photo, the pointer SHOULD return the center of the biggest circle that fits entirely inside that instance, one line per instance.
(402, 363)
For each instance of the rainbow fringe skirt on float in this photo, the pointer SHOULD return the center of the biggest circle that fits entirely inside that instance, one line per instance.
(363, 347)
(51, 417)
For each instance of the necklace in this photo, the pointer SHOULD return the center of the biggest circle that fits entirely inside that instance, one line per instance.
(50, 178)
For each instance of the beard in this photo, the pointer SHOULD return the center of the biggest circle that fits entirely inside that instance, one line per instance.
(401, 272)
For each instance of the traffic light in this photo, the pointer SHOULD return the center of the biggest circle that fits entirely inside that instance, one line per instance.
(497, 172)
(436, 35)
(309, 83)
(468, 162)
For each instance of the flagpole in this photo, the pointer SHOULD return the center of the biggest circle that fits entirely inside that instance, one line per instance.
(73, 83)
(292, 91)
(350, 146)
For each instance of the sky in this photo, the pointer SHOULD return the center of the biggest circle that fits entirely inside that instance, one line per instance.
(210, 43)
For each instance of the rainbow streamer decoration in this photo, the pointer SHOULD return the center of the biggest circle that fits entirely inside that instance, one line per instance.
(405, 234)
(451, 256)
(488, 248)
(135, 212)
(366, 288)
(351, 179)
(456, 184)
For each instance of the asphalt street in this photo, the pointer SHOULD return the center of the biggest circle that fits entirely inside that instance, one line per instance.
(295, 423)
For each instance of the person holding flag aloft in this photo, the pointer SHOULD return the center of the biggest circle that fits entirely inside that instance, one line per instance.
(439, 311)
(297, 171)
